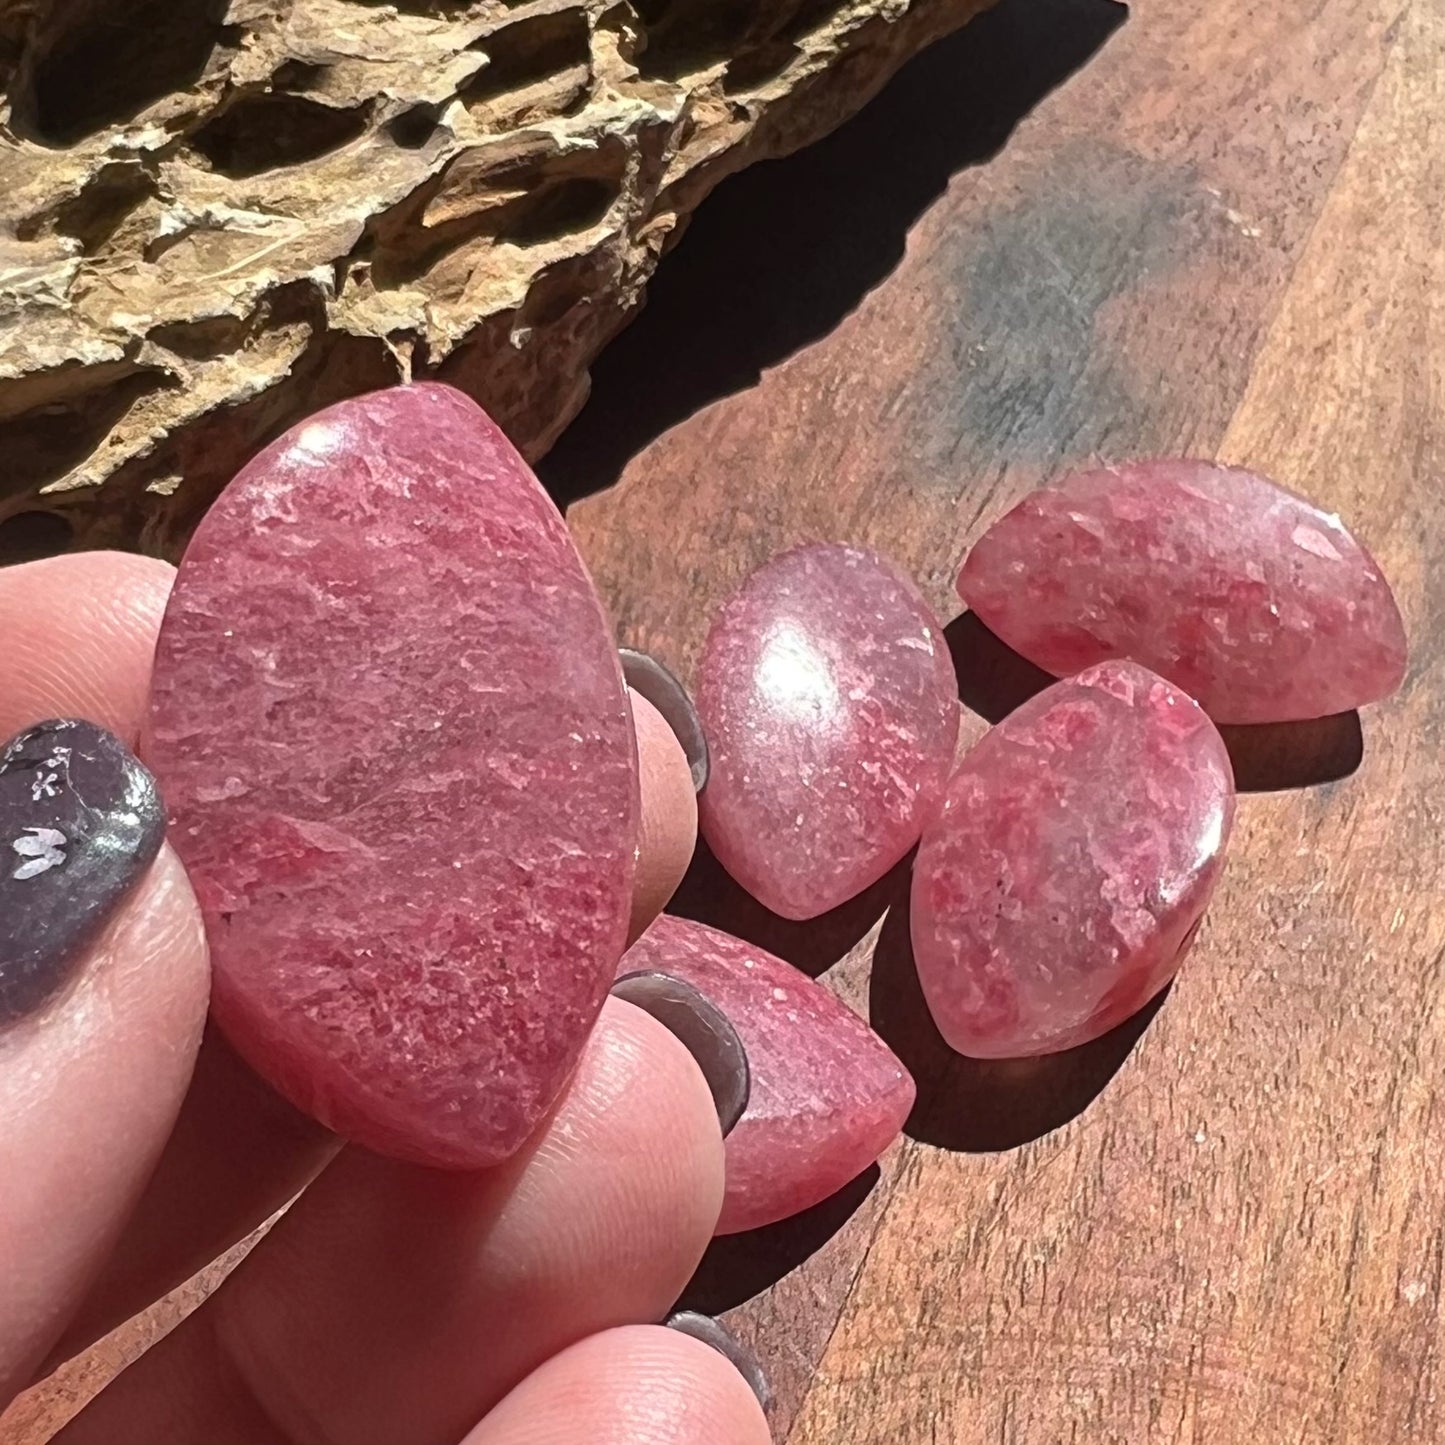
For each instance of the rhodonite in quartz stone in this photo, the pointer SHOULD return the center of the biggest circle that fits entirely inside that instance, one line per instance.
(1257, 603)
(390, 726)
(1078, 844)
(831, 712)
(828, 1096)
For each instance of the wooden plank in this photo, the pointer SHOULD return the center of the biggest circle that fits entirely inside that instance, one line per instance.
(1101, 286)
(1242, 1238)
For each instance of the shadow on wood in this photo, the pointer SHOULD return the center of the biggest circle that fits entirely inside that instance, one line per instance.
(789, 248)
(708, 894)
(738, 1266)
(983, 1105)
(1269, 757)
(993, 680)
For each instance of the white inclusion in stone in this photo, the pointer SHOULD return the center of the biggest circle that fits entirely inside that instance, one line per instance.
(316, 442)
(1312, 540)
(41, 849)
(44, 787)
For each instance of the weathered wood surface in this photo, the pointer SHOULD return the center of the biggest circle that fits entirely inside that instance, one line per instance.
(1223, 233)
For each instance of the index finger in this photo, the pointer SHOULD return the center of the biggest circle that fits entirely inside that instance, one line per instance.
(80, 632)
(102, 948)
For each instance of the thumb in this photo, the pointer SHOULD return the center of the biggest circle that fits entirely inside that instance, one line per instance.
(103, 990)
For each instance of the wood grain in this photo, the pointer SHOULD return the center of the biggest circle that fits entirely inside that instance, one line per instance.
(1222, 236)
(1217, 229)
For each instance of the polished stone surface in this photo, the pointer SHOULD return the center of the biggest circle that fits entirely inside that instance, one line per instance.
(1254, 601)
(1078, 845)
(390, 725)
(831, 711)
(828, 1095)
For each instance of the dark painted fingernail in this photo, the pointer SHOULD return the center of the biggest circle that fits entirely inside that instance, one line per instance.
(647, 676)
(710, 1332)
(80, 822)
(704, 1032)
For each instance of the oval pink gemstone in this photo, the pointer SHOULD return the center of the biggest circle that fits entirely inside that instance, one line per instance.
(1077, 848)
(389, 724)
(831, 712)
(1251, 599)
(828, 1096)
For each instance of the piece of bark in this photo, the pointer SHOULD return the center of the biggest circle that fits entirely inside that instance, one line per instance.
(217, 216)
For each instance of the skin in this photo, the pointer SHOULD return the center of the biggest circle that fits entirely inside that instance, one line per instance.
(370, 1311)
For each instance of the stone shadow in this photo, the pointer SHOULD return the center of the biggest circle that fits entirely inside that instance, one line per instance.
(788, 248)
(1269, 757)
(738, 1266)
(983, 1105)
(708, 894)
(993, 680)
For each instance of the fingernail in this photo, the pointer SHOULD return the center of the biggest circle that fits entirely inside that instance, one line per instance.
(646, 675)
(710, 1332)
(80, 822)
(704, 1032)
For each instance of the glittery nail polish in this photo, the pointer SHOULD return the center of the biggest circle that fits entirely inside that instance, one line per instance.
(710, 1332)
(80, 822)
(704, 1031)
(648, 677)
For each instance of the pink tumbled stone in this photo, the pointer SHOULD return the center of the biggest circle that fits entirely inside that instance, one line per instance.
(831, 712)
(1077, 847)
(828, 1096)
(1250, 598)
(389, 723)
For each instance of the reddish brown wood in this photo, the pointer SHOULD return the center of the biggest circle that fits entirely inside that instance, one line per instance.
(1194, 245)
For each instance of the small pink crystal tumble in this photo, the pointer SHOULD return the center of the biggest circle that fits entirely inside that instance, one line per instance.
(1077, 848)
(828, 1096)
(389, 723)
(831, 712)
(1255, 602)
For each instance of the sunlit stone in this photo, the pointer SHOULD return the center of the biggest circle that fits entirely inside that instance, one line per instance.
(831, 712)
(1077, 847)
(390, 727)
(1256, 603)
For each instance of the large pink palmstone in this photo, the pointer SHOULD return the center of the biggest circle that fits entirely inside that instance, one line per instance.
(1078, 845)
(831, 711)
(390, 726)
(1254, 601)
(828, 1096)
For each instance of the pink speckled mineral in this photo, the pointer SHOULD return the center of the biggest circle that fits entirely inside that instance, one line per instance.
(1078, 845)
(390, 726)
(828, 1096)
(831, 712)
(1254, 601)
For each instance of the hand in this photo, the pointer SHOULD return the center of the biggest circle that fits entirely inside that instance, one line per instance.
(390, 1303)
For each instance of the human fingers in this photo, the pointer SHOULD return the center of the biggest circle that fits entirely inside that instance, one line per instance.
(669, 815)
(638, 1385)
(103, 979)
(239, 1151)
(80, 633)
(90, 1082)
(395, 1303)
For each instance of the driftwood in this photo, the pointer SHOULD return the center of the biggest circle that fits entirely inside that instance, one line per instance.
(219, 215)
